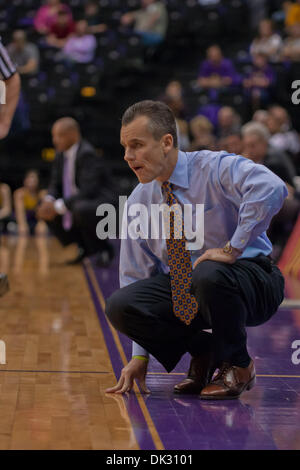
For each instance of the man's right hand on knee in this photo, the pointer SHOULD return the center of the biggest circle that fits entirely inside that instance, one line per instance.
(135, 369)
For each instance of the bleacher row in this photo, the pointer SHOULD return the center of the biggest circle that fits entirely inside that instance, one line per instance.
(96, 94)
(188, 15)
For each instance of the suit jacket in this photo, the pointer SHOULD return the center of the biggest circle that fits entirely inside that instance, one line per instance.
(92, 177)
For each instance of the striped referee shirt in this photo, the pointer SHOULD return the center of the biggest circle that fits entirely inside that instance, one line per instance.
(7, 68)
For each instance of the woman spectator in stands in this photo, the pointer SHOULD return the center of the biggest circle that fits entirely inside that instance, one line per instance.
(267, 42)
(81, 46)
(202, 132)
(61, 30)
(258, 83)
(150, 22)
(46, 15)
(93, 17)
(291, 45)
(5, 206)
(26, 201)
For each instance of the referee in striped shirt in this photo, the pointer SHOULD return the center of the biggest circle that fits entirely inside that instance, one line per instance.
(11, 78)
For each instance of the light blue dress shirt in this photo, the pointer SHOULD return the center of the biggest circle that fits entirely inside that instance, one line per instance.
(240, 198)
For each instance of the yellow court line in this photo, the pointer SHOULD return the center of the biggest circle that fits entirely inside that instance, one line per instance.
(153, 431)
(279, 376)
(257, 375)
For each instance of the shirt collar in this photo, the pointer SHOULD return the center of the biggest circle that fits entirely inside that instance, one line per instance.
(72, 150)
(179, 176)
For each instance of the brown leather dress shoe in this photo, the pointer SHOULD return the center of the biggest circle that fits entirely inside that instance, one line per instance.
(230, 382)
(199, 375)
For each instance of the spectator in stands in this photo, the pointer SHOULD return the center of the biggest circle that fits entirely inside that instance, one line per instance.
(216, 71)
(25, 54)
(232, 143)
(261, 115)
(47, 15)
(202, 132)
(183, 134)
(267, 42)
(61, 30)
(258, 82)
(229, 122)
(26, 200)
(150, 22)
(81, 46)
(173, 97)
(283, 137)
(5, 206)
(93, 17)
(256, 147)
(292, 13)
(79, 184)
(256, 139)
(291, 45)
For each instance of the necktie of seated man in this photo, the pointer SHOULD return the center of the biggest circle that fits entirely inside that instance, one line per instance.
(184, 304)
(67, 192)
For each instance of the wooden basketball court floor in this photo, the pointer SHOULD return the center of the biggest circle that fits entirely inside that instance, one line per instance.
(61, 355)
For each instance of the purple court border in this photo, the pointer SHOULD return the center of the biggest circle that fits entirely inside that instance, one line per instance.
(186, 423)
(135, 413)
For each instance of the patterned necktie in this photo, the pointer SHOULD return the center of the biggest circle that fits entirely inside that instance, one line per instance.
(67, 192)
(184, 304)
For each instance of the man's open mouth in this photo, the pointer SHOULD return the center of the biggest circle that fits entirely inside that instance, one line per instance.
(137, 168)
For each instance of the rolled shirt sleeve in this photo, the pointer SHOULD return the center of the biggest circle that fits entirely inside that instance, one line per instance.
(261, 194)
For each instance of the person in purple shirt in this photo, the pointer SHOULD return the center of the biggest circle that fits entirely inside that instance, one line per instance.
(258, 82)
(216, 71)
(81, 46)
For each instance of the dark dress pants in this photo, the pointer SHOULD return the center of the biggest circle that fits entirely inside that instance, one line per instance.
(83, 230)
(230, 297)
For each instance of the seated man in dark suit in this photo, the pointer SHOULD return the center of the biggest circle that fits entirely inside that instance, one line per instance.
(79, 184)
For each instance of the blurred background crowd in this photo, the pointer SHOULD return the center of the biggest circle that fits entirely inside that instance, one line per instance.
(227, 68)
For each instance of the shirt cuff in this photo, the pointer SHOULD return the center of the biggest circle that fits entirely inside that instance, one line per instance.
(240, 239)
(60, 207)
(137, 350)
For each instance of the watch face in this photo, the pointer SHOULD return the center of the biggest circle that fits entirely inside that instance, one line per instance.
(227, 248)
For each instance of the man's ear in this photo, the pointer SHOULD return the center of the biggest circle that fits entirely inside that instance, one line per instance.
(167, 143)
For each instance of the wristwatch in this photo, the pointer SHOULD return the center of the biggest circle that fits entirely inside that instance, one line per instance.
(229, 249)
